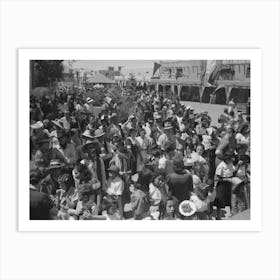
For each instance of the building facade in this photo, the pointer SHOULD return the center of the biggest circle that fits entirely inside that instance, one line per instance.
(191, 80)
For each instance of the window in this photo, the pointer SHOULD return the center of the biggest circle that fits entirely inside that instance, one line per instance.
(179, 72)
(170, 72)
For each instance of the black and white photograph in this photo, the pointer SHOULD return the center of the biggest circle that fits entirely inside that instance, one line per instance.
(139, 139)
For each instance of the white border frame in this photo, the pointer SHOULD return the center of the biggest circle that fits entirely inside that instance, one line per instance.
(25, 55)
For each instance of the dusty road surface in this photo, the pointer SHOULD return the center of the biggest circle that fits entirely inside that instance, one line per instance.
(214, 110)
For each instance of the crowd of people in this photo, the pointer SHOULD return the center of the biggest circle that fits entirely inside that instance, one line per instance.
(164, 162)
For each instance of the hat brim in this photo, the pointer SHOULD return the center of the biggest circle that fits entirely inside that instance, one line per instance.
(87, 136)
(57, 124)
(55, 167)
(43, 141)
(100, 135)
(168, 127)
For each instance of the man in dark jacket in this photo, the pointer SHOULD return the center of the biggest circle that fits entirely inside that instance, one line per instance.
(180, 182)
(41, 206)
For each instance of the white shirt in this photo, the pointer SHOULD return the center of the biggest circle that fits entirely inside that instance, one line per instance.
(115, 186)
(196, 157)
(78, 107)
(115, 216)
(241, 139)
(206, 141)
(200, 205)
(154, 194)
(162, 162)
(66, 124)
(162, 140)
(225, 170)
(147, 128)
(144, 143)
(180, 122)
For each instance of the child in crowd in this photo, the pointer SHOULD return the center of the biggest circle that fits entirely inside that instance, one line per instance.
(67, 196)
(227, 184)
(110, 208)
(155, 195)
(82, 175)
(140, 203)
(115, 187)
(86, 208)
(169, 209)
(201, 197)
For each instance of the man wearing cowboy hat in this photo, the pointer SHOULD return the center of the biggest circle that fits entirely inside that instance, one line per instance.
(43, 154)
(227, 143)
(65, 151)
(115, 186)
(96, 167)
(114, 128)
(105, 147)
(66, 120)
(95, 163)
(130, 123)
(50, 184)
(167, 135)
(86, 135)
(57, 127)
(89, 105)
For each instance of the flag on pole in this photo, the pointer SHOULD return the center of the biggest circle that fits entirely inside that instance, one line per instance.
(156, 67)
(214, 68)
(203, 71)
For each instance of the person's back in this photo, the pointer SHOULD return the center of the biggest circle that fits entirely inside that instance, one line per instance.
(180, 182)
(40, 205)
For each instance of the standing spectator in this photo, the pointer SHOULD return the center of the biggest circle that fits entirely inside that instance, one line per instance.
(180, 182)
(41, 206)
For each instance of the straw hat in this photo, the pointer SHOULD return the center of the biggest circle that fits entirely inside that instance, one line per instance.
(58, 123)
(89, 100)
(87, 134)
(98, 133)
(37, 125)
(55, 164)
(167, 125)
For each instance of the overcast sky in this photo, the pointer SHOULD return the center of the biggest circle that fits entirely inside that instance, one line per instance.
(129, 66)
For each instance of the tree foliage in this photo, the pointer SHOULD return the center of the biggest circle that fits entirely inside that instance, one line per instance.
(46, 71)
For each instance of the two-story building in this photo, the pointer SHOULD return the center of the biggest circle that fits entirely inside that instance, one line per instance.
(190, 80)
(233, 80)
